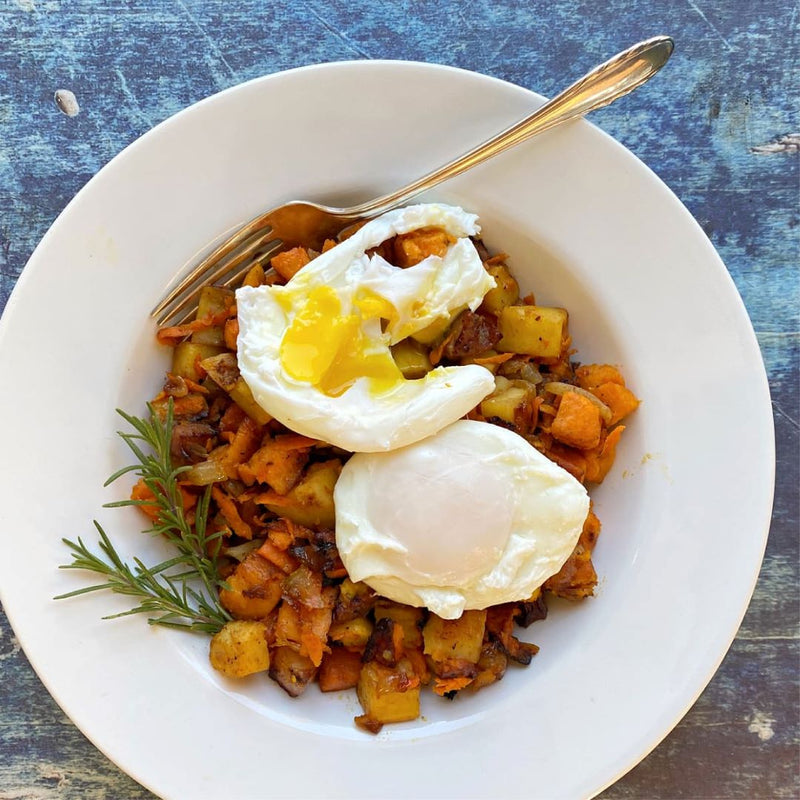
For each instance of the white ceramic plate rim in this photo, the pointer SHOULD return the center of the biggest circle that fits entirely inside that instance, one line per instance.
(158, 719)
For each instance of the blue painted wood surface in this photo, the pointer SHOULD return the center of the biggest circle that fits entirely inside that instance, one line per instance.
(720, 127)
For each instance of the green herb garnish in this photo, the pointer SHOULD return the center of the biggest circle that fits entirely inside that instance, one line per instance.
(181, 592)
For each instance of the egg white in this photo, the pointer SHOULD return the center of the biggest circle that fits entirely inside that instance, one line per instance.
(466, 519)
(361, 419)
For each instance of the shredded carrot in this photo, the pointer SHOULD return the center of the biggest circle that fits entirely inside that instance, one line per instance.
(499, 358)
(443, 685)
(228, 509)
(175, 333)
(280, 558)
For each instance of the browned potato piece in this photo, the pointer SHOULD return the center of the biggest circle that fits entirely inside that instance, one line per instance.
(224, 371)
(532, 330)
(187, 356)
(353, 633)
(388, 694)
(212, 300)
(412, 359)
(513, 402)
(505, 292)
(291, 671)
(310, 503)
(240, 649)
(433, 332)
(408, 617)
(255, 588)
(460, 638)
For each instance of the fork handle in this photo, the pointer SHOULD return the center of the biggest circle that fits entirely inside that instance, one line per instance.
(605, 83)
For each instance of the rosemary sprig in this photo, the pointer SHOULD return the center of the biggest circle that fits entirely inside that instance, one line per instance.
(181, 592)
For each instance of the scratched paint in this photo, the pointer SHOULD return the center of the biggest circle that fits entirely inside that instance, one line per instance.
(718, 126)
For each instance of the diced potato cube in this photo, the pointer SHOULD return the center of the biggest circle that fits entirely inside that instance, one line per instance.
(505, 292)
(243, 397)
(291, 670)
(537, 331)
(412, 359)
(387, 694)
(455, 638)
(212, 300)
(408, 617)
(240, 649)
(255, 276)
(577, 422)
(254, 588)
(433, 332)
(514, 404)
(186, 357)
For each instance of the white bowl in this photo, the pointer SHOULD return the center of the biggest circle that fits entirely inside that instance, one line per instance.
(588, 227)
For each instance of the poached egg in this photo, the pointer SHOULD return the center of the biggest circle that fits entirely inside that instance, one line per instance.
(316, 352)
(469, 518)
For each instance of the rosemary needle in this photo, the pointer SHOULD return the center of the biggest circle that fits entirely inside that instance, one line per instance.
(182, 591)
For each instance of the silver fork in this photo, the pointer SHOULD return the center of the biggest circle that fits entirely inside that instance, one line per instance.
(304, 223)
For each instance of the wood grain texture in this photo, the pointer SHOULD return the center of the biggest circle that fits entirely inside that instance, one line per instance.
(720, 127)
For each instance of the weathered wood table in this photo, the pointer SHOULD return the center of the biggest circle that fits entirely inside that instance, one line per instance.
(80, 80)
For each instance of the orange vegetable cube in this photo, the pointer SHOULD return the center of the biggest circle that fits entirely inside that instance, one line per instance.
(591, 375)
(339, 670)
(620, 400)
(577, 422)
(289, 263)
(411, 248)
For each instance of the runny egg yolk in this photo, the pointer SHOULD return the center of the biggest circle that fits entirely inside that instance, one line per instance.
(330, 350)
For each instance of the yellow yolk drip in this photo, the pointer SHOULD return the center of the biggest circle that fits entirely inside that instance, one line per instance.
(330, 351)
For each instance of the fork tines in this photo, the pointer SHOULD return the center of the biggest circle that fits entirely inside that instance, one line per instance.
(227, 264)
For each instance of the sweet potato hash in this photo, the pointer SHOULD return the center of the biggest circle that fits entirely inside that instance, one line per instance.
(296, 615)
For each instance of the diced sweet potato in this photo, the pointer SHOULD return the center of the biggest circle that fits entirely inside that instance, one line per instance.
(254, 588)
(340, 669)
(240, 649)
(277, 465)
(290, 262)
(618, 398)
(411, 248)
(578, 422)
(590, 376)
(600, 460)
